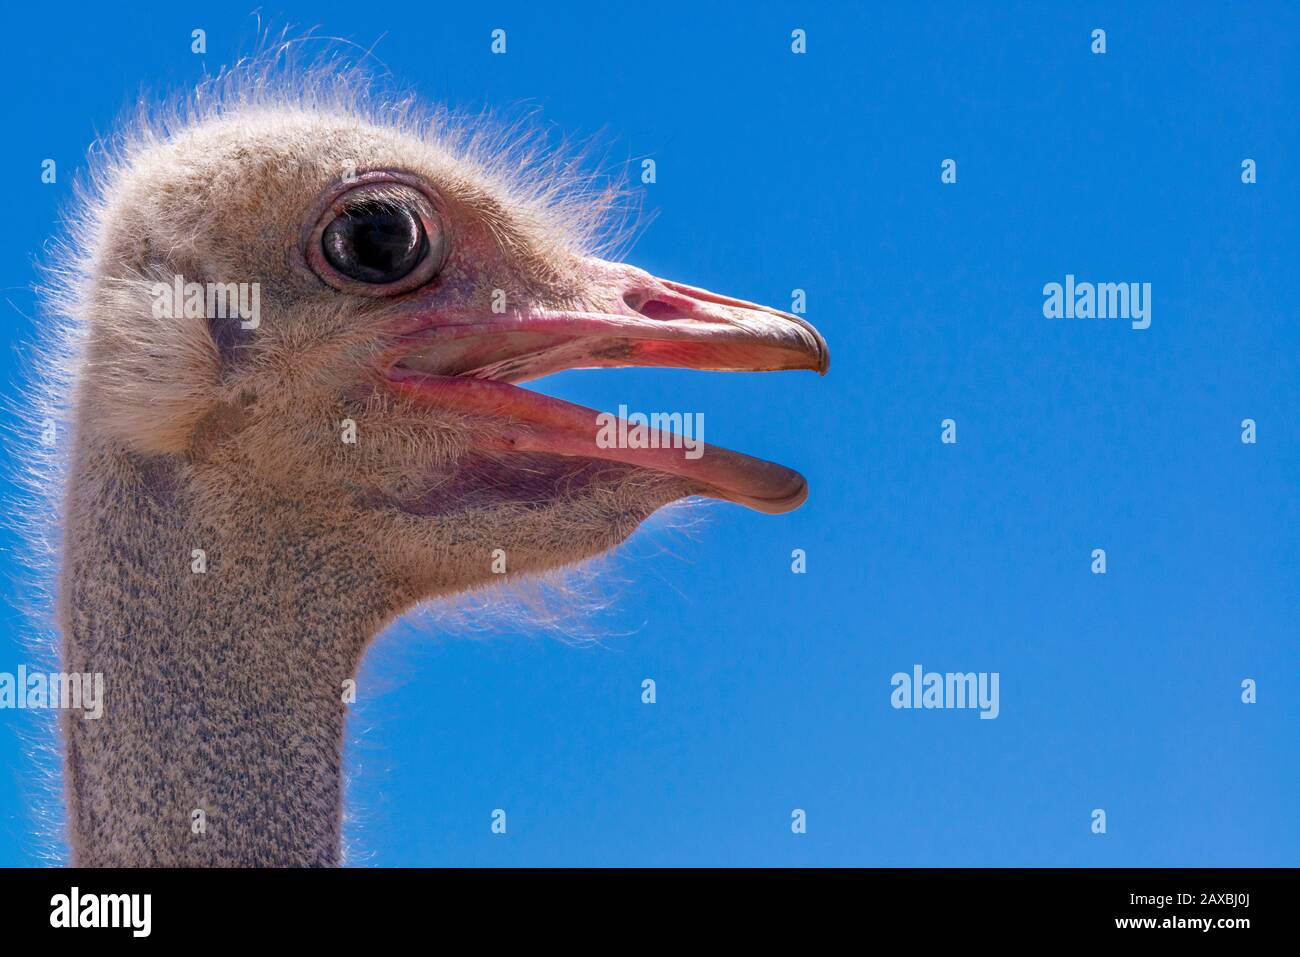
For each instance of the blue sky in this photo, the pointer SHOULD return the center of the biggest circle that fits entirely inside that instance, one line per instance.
(822, 172)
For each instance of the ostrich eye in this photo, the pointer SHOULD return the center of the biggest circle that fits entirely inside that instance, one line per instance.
(380, 239)
(375, 243)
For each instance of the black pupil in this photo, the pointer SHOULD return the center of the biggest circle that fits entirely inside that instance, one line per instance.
(375, 243)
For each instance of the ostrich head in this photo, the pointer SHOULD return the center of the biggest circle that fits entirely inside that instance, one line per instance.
(405, 296)
(256, 489)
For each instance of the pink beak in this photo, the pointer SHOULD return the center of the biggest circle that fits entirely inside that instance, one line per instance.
(471, 360)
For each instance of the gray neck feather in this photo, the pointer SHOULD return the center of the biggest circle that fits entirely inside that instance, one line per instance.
(221, 737)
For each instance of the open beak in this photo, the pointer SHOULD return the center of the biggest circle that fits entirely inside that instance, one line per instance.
(471, 360)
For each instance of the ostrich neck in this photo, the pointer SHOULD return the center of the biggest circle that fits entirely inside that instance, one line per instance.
(222, 729)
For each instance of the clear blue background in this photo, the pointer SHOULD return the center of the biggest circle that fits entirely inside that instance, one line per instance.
(821, 172)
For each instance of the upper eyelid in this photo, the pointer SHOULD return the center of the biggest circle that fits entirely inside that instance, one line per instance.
(379, 193)
(398, 181)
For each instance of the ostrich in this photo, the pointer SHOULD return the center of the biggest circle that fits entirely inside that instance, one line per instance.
(250, 499)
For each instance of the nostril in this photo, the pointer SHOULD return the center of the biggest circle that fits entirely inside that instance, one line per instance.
(654, 309)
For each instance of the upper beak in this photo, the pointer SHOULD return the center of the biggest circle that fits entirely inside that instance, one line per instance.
(468, 358)
(697, 329)
(627, 318)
